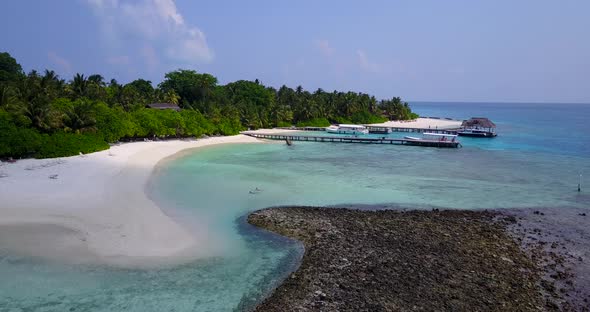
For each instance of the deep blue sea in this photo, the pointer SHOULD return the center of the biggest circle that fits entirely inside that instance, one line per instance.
(536, 161)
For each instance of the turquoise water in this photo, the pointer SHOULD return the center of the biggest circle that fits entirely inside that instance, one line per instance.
(534, 162)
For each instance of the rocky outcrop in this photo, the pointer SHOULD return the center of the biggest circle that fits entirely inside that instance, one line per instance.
(402, 261)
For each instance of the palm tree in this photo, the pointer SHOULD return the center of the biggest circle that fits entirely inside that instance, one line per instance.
(130, 98)
(79, 85)
(171, 97)
(49, 77)
(37, 108)
(51, 83)
(97, 79)
(80, 117)
(33, 74)
(34, 101)
(114, 84)
(8, 95)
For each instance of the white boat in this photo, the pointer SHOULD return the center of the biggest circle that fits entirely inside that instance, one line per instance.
(478, 133)
(347, 129)
(434, 139)
(412, 138)
(440, 137)
(479, 127)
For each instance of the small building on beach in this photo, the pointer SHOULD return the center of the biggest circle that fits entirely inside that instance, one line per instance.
(164, 106)
(478, 127)
(479, 122)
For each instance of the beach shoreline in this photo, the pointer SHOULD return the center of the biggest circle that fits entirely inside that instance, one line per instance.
(94, 209)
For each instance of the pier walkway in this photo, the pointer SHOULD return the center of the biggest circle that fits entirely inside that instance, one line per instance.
(350, 139)
(384, 129)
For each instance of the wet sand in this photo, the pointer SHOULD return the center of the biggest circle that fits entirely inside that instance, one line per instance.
(558, 240)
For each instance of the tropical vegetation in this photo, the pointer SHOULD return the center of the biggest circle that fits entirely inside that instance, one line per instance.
(43, 115)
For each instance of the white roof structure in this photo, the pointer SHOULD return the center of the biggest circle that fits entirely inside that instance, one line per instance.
(440, 134)
(351, 126)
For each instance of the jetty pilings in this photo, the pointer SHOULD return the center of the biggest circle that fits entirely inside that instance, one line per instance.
(353, 139)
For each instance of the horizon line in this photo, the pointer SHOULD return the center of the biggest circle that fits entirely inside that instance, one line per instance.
(495, 102)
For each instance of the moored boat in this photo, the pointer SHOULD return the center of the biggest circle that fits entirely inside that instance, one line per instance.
(434, 139)
(478, 127)
(476, 133)
(379, 130)
(347, 129)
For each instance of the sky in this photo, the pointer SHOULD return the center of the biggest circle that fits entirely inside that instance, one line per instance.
(420, 50)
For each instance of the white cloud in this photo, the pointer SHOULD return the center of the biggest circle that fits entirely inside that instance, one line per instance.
(61, 62)
(367, 65)
(325, 47)
(152, 23)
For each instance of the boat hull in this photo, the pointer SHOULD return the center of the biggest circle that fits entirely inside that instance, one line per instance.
(433, 139)
(353, 132)
(477, 135)
(420, 142)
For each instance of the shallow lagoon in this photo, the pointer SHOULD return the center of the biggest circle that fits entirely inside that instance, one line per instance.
(208, 191)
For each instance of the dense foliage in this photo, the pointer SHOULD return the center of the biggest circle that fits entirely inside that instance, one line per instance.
(42, 115)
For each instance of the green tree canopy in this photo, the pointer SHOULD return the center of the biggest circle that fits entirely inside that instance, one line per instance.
(42, 115)
(192, 87)
(10, 70)
(144, 88)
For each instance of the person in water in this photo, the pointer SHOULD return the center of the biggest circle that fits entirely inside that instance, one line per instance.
(255, 191)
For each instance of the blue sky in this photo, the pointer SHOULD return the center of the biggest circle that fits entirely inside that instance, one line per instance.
(513, 50)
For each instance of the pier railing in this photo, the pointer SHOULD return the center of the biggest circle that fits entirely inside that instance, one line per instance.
(352, 139)
(382, 129)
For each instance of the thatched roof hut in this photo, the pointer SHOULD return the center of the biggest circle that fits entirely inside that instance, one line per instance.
(478, 122)
(163, 106)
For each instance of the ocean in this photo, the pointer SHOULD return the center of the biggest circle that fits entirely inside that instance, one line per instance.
(540, 155)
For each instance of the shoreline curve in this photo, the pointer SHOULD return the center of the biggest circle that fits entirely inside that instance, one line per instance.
(96, 210)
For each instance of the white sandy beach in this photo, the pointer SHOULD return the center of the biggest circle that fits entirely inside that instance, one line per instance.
(96, 210)
(422, 123)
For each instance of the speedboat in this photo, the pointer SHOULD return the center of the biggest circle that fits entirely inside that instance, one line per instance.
(347, 129)
(480, 133)
(480, 127)
(434, 139)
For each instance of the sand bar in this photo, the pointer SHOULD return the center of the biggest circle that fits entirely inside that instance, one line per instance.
(94, 209)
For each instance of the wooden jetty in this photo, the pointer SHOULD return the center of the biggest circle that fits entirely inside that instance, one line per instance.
(350, 139)
(303, 128)
(381, 129)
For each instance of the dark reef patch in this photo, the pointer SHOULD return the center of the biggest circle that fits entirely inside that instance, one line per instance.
(384, 260)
